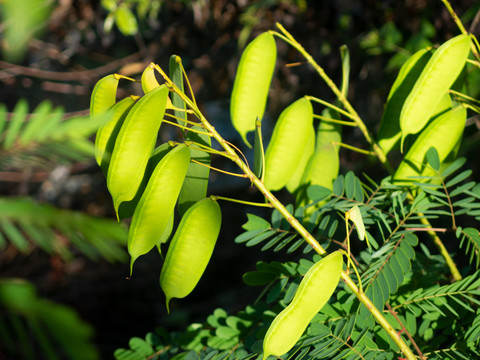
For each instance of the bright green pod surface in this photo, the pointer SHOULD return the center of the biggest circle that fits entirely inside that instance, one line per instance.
(175, 72)
(149, 81)
(103, 95)
(443, 134)
(312, 294)
(196, 182)
(389, 132)
(157, 203)
(134, 145)
(252, 82)
(289, 138)
(295, 180)
(323, 166)
(190, 249)
(127, 208)
(107, 133)
(436, 78)
(166, 233)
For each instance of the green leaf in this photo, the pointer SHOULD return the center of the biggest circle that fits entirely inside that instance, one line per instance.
(433, 158)
(140, 346)
(255, 222)
(175, 71)
(457, 164)
(19, 114)
(345, 54)
(350, 185)
(258, 278)
(58, 324)
(459, 178)
(125, 20)
(318, 193)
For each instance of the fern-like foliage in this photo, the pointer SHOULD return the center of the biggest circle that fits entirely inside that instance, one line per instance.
(24, 223)
(30, 325)
(43, 137)
(392, 271)
(388, 267)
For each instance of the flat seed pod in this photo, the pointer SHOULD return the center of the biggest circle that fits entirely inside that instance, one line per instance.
(157, 203)
(443, 134)
(389, 132)
(312, 294)
(104, 94)
(436, 78)
(175, 73)
(295, 180)
(196, 182)
(134, 145)
(252, 82)
(190, 249)
(107, 133)
(287, 144)
(127, 208)
(166, 233)
(149, 81)
(324, 164)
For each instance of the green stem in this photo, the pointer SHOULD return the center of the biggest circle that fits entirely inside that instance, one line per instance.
(439, 244)
(353, 148)
(396, 337)
(302, 231)
(459, 23)
(331, 106)
(335, 121)
(216, 197)
(443, 250)
(186, 128)
(361, 125)
(340, 96)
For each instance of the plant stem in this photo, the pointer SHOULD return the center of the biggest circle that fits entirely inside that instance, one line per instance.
(341, 97)
(443, 250)
(305, 234)
(457, 21)
(216, 197)
(396, 337)
(361, 125)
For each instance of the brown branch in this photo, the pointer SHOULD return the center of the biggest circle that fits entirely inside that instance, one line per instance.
(404, 329)
(12, 69)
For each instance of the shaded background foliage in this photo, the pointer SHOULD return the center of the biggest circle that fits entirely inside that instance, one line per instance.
(64, 62)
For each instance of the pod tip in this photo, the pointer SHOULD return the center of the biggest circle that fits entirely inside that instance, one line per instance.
(168, 305)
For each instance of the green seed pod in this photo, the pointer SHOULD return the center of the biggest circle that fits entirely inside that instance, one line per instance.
(157, 203)
(196, 182)
(289, 138)
(295, 180)
(324, 165)
(436, 78)
(190, 249)
(134, 145)
(104, 95)
(149, 81)
(175, 72)
(107, 133)
(313, 293)
(252, 82)
(127, 208)
(443, 134)
(389, 132)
